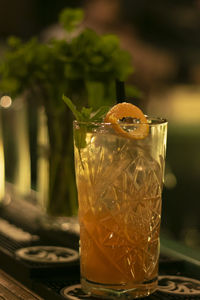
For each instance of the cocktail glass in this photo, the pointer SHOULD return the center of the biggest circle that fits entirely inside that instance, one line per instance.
(119, 182)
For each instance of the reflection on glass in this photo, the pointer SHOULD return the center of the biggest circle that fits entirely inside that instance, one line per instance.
(2, 165)
(23, 172)
(15, 132)
(42, 161)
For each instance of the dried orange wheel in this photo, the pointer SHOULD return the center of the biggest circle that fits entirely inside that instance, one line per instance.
(127, 110)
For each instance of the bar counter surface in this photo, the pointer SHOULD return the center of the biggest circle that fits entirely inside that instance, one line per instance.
(43, 263)
(13, 290)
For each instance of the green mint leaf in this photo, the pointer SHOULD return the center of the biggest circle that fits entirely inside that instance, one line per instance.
(72, 107)
(14, 42)
(86, 113)
(80, 137)
(99, 114)
(70, 18)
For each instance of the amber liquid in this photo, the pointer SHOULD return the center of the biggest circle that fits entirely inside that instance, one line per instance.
(116, 253)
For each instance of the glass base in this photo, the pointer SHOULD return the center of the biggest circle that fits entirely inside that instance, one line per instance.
(107, 291)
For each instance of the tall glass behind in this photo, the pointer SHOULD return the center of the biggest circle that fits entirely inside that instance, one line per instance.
(33, 168)
(119, 182)
(14, 147)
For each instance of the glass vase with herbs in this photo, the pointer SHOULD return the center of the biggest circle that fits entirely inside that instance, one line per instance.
(84, 66)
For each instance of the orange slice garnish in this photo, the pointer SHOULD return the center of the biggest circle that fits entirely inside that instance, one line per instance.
(123, 110)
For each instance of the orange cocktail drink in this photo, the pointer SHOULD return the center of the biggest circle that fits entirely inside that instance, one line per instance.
(119, 174)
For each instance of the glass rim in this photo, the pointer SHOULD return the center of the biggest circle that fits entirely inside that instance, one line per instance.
(156, 122)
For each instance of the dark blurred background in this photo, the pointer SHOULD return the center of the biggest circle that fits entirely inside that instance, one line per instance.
(27, 18)
(163, 38)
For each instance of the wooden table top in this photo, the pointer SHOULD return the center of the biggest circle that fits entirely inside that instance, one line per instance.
(10, 289)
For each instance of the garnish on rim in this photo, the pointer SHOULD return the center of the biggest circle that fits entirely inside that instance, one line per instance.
(84, 115)
(125, 110)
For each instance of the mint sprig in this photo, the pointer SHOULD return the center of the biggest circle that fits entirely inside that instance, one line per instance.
(85, 115)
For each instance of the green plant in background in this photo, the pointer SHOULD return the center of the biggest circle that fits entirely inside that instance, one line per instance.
(84, 67)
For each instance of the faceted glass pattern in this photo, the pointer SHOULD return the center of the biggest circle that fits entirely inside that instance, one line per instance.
(119, 183)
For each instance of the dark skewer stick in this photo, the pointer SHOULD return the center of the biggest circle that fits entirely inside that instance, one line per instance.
(120, 91)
